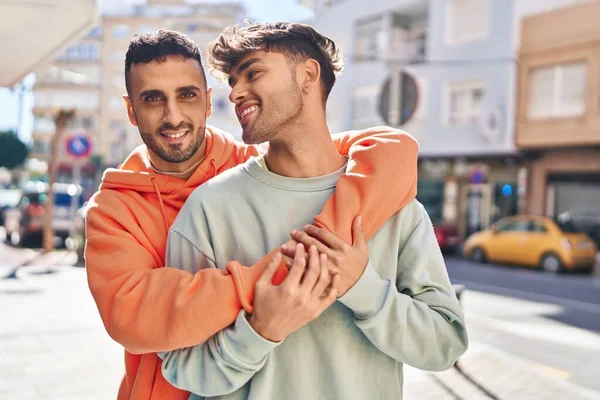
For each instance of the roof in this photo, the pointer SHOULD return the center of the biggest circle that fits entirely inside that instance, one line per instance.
(32, 32)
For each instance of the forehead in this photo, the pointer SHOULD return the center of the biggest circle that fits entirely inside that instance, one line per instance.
(260, 56)
(166, 75)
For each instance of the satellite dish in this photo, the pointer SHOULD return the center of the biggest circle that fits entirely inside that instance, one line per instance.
(490, 121)
(398, 98)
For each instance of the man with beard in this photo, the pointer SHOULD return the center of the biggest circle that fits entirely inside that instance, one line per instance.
(147, 308)
(397, 304)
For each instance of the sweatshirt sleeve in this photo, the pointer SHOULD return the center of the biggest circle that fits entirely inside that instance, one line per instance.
(144, 307)
(417, 320)
(222, 365)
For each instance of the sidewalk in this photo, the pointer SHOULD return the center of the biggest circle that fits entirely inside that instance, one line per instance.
(53, 346)
(499, 376)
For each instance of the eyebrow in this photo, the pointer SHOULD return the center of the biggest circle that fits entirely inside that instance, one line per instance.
(243, 67)
(156, 92)
(190, 88)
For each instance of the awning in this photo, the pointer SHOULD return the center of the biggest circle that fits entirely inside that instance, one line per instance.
(34, 31)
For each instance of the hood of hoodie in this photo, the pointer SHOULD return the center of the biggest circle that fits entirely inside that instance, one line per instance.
(136, 172)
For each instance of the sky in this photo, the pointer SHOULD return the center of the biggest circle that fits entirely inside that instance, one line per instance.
(258, 10)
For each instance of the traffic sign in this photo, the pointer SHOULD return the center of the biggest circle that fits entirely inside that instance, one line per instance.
(79, 145)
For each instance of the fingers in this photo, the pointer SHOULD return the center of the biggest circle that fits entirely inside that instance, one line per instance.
(298, 266)
(324, 236)
(333, 292)
(313, 272)
(267, 275)
(324, 278)
(358, 234)
(307, 240)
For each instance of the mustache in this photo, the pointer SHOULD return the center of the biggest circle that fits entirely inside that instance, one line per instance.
(169, 127)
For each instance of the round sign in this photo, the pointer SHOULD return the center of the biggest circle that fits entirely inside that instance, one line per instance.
(79, 145)
(397, 112)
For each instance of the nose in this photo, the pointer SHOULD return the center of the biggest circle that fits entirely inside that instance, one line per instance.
(173, 115)
(238, 92)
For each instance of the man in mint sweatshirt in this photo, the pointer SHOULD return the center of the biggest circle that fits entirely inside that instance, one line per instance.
(397, 307)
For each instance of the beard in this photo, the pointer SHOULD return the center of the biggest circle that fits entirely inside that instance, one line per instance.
(175, 153)
(275, 115)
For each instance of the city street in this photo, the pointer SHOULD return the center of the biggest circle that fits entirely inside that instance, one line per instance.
(53, 345)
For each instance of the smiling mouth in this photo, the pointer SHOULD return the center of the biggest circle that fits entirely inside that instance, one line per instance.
(175, 135)
(244, 114)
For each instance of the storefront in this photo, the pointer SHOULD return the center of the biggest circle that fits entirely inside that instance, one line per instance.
(564, 180)
(470, 194)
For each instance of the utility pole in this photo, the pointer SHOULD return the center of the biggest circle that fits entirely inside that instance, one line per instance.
(61, 121)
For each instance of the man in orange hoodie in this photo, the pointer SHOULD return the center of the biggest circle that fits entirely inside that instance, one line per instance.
(148, 308)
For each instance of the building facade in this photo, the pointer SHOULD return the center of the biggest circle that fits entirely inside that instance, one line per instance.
(559, 109)
(72, 81)
(446, 72)
(89, 77)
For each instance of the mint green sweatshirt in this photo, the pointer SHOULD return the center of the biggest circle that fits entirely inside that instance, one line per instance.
(402, 310)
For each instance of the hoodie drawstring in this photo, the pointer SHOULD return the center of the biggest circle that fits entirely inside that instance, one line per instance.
(214, 165)
(160, 201)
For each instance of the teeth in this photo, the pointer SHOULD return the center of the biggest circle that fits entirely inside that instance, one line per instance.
(248, 111)
(175, 135)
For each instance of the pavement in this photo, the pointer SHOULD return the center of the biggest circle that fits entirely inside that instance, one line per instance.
(53, 346)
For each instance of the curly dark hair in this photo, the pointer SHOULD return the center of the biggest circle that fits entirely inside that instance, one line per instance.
(157, 46)
(298, 42)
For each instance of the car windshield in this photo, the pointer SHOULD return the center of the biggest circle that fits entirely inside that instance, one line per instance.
(60, 199)
(567, 226)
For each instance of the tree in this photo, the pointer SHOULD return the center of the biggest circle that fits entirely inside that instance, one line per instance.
(61, 121)
(13, 152)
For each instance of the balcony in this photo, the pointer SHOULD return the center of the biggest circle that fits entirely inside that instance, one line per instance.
(394, 38)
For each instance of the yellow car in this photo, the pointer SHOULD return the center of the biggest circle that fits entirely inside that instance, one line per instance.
(532, 241)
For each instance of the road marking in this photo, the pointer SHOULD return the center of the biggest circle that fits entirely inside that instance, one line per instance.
(559, 373)
(590, 307)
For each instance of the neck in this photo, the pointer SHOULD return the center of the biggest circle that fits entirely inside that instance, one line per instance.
(304, 151)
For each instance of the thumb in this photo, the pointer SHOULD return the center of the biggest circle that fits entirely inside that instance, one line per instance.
(269, 272)
(358, 234)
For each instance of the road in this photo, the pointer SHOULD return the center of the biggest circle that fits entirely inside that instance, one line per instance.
(551, 320)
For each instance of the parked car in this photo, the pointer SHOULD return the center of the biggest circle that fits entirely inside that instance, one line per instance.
(585, 219)
(447, 237)
(533, 241)
(24, 223)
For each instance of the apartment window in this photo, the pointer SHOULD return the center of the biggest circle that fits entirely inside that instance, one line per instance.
(370, 38)
(120, 31)
(147, 28)
(40, 146)
(464, 102)
(364, 103)
(557, 91)
(467, 20)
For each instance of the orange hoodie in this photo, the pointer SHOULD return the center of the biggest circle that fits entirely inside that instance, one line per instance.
(147, 308)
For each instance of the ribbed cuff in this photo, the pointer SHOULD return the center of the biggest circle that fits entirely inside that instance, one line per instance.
(245, 344)
(367, 295)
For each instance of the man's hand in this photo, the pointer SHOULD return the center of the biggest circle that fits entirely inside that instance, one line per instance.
(347, 261)
(304, 294)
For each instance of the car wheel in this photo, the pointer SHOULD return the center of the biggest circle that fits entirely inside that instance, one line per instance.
(478, 255)
(550, 263)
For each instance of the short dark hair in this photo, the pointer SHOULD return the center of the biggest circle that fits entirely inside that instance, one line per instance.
(298, 42)
(157, 46)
